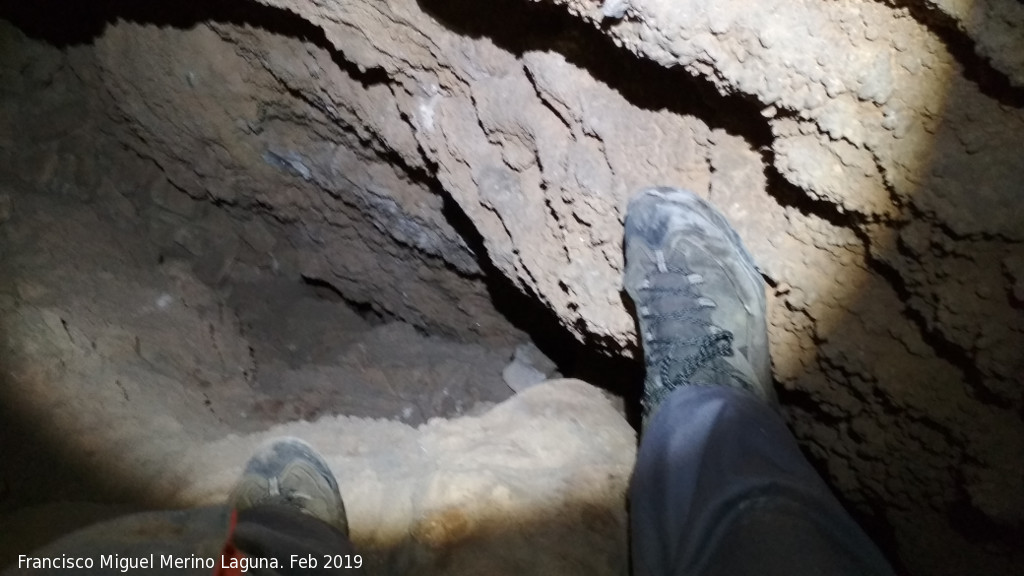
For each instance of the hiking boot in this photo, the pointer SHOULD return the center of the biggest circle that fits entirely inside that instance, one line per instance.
(699, 299)
(289, 472)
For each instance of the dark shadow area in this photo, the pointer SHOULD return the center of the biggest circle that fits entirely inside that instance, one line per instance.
(872, 520)
(64, 23)
(41, 477)
(37, 465)
(932, 336)
(39, 469)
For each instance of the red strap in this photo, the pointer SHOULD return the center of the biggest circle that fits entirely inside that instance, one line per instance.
(229, 552)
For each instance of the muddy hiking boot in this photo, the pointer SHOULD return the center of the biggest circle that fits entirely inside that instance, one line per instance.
(289, 472)
(699, 298)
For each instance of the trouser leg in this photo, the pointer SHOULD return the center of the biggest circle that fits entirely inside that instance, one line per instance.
(720, 487)
(282, 532)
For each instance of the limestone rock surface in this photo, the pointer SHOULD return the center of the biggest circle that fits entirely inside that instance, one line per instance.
(414, 155)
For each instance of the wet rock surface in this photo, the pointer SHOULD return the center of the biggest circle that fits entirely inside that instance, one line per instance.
(420, 159)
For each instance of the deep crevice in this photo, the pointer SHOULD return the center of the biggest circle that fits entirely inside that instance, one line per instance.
(788, 195)
(65, 23)
(324, 290)
(511, 26)
(976, 68)
(616, 374)
(521, 27)
(869, 514)
(942, 346)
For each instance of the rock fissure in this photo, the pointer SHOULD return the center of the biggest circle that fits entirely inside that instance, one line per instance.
(314, 186)
(983, 36)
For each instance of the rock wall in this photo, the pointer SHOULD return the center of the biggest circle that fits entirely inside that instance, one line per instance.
(868, 153)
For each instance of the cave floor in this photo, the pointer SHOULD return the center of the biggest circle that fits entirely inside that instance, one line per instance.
(118, 332)
(292, 350)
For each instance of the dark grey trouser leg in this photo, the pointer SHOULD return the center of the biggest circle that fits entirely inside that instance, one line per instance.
(281, 532)
(720, 487)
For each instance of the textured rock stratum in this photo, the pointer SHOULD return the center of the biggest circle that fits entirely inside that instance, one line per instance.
(411, 154)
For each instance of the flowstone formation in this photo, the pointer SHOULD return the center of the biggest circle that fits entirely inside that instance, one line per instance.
(414, 155)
